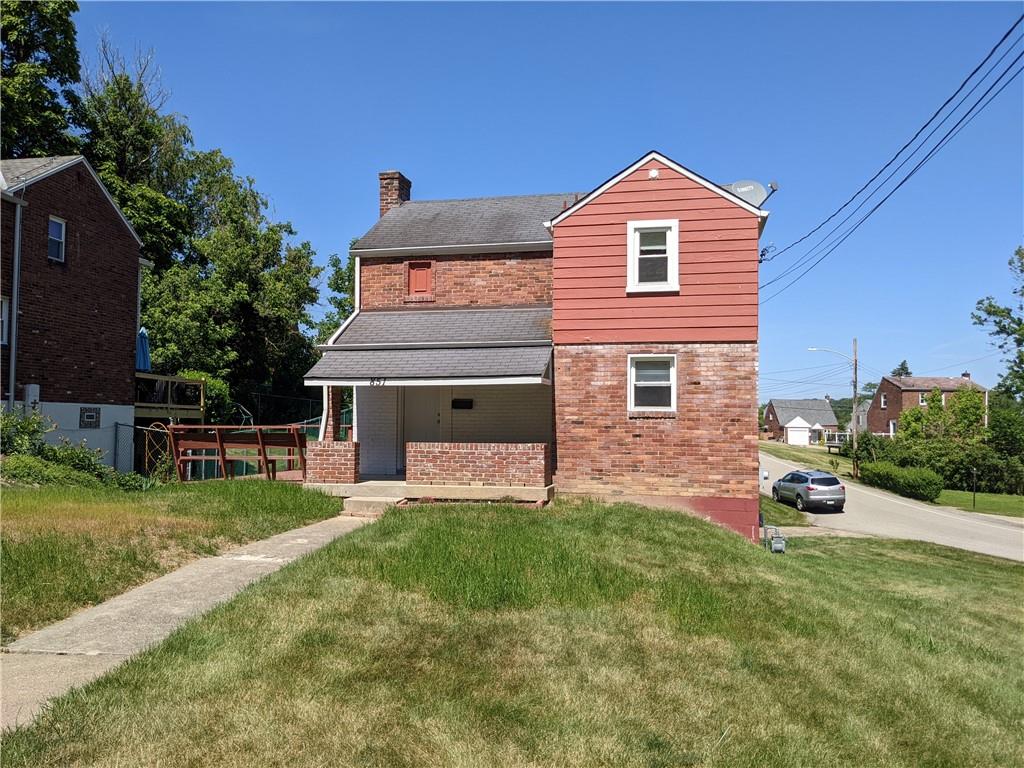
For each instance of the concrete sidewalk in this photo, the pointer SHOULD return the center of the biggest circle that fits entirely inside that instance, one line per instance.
(85, 646)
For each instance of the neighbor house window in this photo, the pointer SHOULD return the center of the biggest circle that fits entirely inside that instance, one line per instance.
(921, 399)
(421, 279)
(5, 319)
(652, 382)
(883, 401)
(55, 246)
(653, 256)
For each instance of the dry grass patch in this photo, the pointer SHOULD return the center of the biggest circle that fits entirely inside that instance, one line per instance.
(62, 549)
(580, 635)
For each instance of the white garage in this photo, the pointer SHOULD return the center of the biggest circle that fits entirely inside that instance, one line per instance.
(798, 432)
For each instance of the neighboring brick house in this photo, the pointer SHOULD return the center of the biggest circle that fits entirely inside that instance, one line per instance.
(799, 422)
(601, 343)
(70, 301)
(896, 394)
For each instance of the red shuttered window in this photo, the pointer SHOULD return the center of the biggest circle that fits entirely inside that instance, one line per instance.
(421, 279)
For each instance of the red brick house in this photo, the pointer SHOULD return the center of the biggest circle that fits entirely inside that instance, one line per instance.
(70, 301)
(896, 394)
(600, 343)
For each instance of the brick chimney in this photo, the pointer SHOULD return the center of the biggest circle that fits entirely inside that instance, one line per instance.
(966, 375)
(395, 189)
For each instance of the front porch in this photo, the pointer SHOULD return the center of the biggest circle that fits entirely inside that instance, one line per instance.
(467, 442)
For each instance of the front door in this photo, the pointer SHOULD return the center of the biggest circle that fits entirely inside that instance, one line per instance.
(421, 416)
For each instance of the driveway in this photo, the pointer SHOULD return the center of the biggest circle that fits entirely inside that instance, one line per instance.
(878, 513)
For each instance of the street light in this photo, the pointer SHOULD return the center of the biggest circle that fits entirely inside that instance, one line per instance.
(854, 420)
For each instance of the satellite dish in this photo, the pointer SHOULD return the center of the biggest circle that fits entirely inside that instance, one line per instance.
(751, 191)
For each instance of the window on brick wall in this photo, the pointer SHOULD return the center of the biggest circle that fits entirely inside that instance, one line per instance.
(5, 319)
(653, 256)
(883, 401)
(652, 382)
(55, 244)
(421, 279)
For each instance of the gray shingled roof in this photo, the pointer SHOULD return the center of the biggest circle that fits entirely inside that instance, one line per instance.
(474, 221)
(928, 383)
(449, 363)
(464, 343)
(448, 326)
(811, 411)
(18, 172)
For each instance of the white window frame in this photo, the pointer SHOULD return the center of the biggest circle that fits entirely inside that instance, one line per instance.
(922, 398)
(883, 401)
(630, 383)
(63, 239)
(633, 230)
(5, 320)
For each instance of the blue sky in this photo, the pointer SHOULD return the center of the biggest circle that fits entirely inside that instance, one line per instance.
(314, 99)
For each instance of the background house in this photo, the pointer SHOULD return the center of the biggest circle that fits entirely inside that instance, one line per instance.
(799, 422)
(602, 343)
(896, 394)
(70, 305)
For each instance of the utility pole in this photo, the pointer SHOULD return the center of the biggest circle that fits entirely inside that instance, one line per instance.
(855, 415)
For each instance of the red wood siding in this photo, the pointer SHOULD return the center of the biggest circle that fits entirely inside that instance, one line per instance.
(718, 250)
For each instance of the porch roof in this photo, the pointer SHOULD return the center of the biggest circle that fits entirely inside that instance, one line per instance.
(419, 347)
(482, 365)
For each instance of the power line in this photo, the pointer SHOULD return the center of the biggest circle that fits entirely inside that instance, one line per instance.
(822, 243)
(911, 141)
(969, 115)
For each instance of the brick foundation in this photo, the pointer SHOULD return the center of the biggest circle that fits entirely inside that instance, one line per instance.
(332, 461)
(492, 464)
(706, 450)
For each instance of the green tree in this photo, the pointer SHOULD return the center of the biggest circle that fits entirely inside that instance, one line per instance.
(1005, 324)
(902, 369)
(341, 284)
(1006, 424)
(144, 157)
(237, 304)
(38, 74)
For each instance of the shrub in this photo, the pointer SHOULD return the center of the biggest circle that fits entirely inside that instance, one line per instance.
(912, 482)
(23, 433)
(78, 457)
(32, 470)
(132, 481)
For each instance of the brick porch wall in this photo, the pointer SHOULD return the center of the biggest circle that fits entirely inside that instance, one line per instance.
(492, 464)
(707, 449)
(332, 461)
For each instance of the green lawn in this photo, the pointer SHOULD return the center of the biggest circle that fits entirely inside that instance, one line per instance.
(777, 513)
(65, 548)
(577, 635)
(807, 458)
(992, 503)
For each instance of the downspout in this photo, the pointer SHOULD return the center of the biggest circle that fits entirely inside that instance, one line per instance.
(12, 340)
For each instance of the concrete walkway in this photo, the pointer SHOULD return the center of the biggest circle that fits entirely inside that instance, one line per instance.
(77, 650)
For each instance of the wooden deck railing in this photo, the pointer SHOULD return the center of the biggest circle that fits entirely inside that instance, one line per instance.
(186, 438)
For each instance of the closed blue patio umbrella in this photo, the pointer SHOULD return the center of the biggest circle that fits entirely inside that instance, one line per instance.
(142, 361)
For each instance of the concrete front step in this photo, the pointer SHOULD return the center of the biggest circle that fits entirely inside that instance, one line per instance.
(369, 506)
(391, 489)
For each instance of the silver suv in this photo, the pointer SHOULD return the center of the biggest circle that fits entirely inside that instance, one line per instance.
(809, 489)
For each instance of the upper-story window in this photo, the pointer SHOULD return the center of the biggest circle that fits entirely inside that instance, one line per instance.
(653, 256)
(652, 382)
(883, 401)
(55, 245)
(922, 399)
(420, 280)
